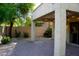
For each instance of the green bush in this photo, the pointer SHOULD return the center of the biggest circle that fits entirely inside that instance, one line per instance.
(38, 23)
(48, 33)
(26, 35)
(17, 34)
(5, 40)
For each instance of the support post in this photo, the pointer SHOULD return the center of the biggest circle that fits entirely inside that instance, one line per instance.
(60, 30)
(32, 31)
(53, 30)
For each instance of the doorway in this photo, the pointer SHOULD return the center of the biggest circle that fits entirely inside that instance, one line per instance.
(74, 32)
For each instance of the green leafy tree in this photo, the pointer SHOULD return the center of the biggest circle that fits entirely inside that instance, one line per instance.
(24, 9)
(9, 13)
(28, 22)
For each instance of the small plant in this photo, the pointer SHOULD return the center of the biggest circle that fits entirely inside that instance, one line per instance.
(48, 33)
(38, 23)
(5, 40)
(26, 35)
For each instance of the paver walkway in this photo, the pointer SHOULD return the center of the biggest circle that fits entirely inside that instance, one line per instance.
(36, 48)
(6, 50)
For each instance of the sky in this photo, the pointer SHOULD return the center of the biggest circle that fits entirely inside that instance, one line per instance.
(36, 5)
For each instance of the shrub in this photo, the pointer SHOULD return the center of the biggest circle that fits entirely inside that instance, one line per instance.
(5, 40)
(48, 32)
(17, 34)
(38, 23)
(26, 35)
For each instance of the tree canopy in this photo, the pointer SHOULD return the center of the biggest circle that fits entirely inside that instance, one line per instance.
(9, 11)
(24, 8)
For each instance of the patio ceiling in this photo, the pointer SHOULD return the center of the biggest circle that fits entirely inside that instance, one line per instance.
(48, 17)
(71, 16)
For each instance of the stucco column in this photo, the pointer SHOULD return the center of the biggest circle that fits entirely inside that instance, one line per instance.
(60, 30)
(53, 30)
(32, 31)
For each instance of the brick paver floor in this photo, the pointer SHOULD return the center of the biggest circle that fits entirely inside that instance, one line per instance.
(44, 47)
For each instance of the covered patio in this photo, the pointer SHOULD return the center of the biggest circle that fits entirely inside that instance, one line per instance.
(60, 15)
(44, 47)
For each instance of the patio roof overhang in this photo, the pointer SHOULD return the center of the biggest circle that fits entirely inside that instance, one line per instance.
(42, 10)
(46, 12)
(70, 16)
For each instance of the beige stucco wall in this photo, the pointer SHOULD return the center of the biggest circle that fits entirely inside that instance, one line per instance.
(19, 29)
(39, 30)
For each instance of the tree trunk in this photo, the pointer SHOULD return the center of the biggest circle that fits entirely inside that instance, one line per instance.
(3, 30)
(10, 28)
